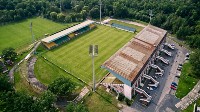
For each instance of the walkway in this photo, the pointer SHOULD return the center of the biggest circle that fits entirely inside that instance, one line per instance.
(192, 96)
(84, 91)
(31, 76)
(11, 72)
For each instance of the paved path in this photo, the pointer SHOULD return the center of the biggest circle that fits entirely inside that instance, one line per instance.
(11, 72)
(84, 91)
(192, 96)
(31, 76)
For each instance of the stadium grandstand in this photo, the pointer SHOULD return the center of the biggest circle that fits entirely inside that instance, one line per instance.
(131, 64)
(57, 39)
(126, 28)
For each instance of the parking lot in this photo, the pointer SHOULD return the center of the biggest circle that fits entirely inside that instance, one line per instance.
(170, 71)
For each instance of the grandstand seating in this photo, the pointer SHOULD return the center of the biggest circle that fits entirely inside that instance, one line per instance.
(71, 35)
(123, 27)
(83, 29)
(61, 40)
(67, 34)
(50, 45)
(92, 26)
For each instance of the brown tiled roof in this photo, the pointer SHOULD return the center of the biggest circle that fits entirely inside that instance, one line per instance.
(130, 59)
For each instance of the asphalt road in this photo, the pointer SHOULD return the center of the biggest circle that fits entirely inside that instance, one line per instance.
(165, 81)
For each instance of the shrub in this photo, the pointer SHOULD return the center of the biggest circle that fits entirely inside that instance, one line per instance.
(128, 102)
(121, 97)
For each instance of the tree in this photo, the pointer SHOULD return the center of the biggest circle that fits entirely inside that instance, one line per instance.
(61, 17)
(121, 97)
(68, 19)
(84, 14)
(62, 87)
(70, 107)
(45, 102)
(53, 15)
(194, 41)
(94, 12)
(9, 54)
(77, 8)
(5, 85)
(195, 61)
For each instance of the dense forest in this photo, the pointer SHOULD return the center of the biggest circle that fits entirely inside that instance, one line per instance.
(180, 17)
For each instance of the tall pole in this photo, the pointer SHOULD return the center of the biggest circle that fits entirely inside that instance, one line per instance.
(93, 72)
(150, 14)
(33, 40)
(93, 51)
(31, 32)
(60, 7)
(100, 3)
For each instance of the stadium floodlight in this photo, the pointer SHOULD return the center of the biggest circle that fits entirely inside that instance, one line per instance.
(93, 51)
(100, 4)
(150, 15)
(31, 28)
(60, 7)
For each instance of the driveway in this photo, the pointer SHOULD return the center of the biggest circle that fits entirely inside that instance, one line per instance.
(165, 81)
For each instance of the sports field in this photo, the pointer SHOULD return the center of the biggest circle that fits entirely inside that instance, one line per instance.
(18, 35)
(73, 56)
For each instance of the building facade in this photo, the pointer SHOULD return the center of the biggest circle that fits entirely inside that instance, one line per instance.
(132, 62)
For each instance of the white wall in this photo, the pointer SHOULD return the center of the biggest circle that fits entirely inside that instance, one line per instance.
(127, 91)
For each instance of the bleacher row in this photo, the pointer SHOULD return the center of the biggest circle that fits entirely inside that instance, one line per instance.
(123, 27)
(60, 40)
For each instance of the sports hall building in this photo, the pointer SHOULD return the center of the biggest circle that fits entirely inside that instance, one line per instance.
(132, 62)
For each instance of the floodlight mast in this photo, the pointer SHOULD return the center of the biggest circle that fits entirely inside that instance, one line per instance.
(33, 40)
(60, 7)
(150, 15)
(93, 51)
(100, 4)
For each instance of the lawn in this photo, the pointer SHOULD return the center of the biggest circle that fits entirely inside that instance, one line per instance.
(101, 101)
(20, 82)
(138, 28)
(73, 56)
(18, 35)
(186, 82)
(46, 72)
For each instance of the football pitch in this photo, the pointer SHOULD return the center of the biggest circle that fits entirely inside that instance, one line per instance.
(74, 57)
(18, 35)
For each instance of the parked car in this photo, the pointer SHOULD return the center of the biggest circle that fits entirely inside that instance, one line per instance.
(175, 83)
(179, 69)
(180, 65)
(178, 75)
(187, 56)
(172, 87)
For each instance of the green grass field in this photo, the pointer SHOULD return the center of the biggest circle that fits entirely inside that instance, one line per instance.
(47, 73)
(18, 35)
(74, 57)
(99, 101)
(186, 83)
